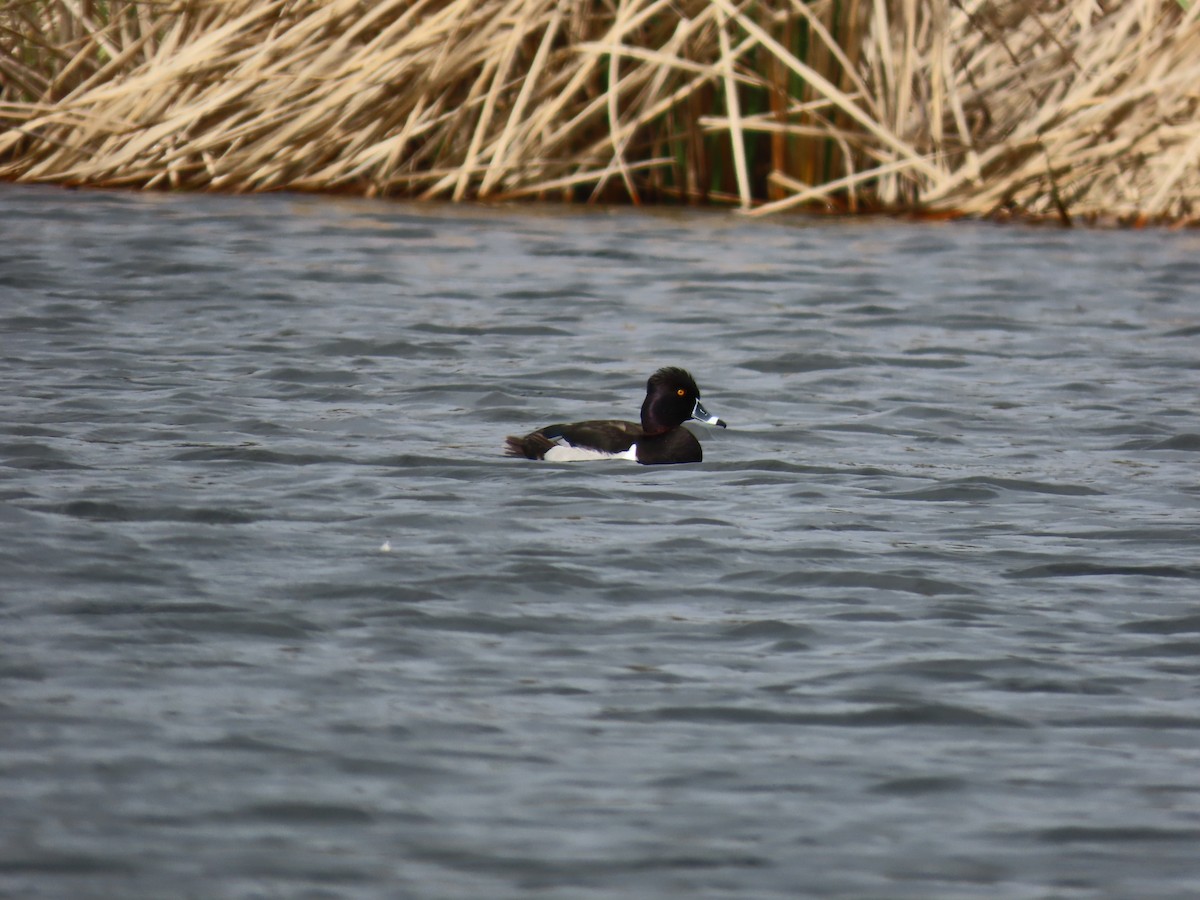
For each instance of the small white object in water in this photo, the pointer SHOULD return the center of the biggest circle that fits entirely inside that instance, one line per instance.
(385, 547)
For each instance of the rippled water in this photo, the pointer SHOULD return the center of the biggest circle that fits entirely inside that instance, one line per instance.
(925, 623)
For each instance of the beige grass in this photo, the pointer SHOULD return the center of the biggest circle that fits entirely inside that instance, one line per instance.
(1068, 109)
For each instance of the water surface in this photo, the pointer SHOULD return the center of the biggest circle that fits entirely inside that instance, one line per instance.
(279, 619)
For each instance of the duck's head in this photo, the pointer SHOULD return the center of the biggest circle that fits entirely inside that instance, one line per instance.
(672, 398)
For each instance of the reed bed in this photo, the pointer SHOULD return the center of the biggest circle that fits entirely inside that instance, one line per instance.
(1069, 109)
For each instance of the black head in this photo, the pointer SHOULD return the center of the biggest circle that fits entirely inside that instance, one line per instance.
(672, 398)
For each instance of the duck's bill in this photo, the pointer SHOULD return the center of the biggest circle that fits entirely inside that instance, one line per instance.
(703, 415)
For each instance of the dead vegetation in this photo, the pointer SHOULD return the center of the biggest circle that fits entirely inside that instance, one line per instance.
(1067, 109)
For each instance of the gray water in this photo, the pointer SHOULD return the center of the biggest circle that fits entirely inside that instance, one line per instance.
(279, 620)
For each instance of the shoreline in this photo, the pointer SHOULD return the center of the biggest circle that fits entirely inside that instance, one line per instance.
(1098, 222)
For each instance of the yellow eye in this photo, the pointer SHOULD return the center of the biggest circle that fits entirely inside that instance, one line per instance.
(681, 392)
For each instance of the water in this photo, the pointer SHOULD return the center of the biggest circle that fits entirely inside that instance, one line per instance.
(279, 620)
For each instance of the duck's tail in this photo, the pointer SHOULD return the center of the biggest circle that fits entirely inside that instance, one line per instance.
(532, 446)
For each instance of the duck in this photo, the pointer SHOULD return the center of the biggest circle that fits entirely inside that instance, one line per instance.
(672, 398)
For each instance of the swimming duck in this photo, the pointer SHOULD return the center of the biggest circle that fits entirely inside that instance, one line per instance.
(672, 398)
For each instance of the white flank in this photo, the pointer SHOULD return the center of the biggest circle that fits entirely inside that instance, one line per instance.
(567, 453)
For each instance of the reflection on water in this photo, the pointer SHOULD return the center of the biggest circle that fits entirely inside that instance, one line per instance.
(924, 622)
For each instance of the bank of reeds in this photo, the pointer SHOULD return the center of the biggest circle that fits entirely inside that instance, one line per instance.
(1048, 108)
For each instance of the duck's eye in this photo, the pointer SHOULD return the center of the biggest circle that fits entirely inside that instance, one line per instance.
(681, 392)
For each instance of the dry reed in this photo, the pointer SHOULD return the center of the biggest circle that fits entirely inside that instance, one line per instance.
(1047, 108)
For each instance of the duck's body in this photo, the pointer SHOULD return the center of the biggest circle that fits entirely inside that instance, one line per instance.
(672, 398)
